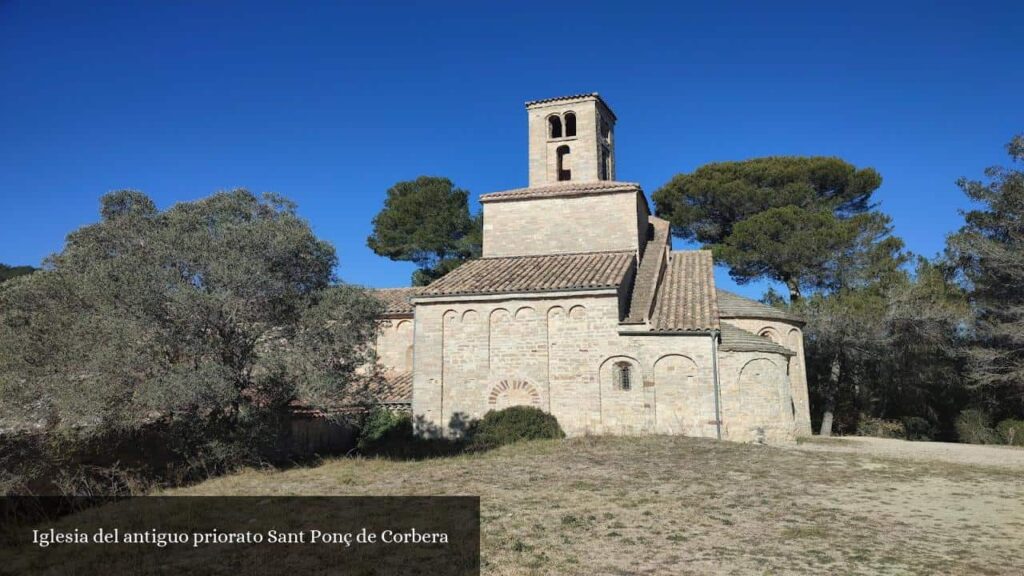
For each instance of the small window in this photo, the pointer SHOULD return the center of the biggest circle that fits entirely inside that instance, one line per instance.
(605, 166)
(564, 166)
(605, 129)
(623, 376)
(555, 127)
(570, 124)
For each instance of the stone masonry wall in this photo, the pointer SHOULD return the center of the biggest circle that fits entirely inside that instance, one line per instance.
(558, 354)
(756, 398)
(596, 223)
(789, 335)
(395, 344)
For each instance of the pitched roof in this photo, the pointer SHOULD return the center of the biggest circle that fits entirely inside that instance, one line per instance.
(562, 189)
(396, 300)
(686, 298)
(738, 340)
(585, 96)
(395, 389)
(560, 98)
(392, 389)
(732, 305)
(649, 271)
(534, 274)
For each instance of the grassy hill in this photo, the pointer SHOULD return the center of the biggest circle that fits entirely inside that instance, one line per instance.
(670, 505)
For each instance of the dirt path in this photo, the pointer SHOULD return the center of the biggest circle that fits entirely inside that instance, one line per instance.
(967, 454)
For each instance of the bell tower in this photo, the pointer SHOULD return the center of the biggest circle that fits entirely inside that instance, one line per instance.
(571, 140)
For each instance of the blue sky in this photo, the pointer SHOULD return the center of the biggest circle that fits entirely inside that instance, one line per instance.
(329, 103)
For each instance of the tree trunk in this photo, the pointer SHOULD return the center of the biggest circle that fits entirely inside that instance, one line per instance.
(830, 397)
(794, 290)
(826, 423)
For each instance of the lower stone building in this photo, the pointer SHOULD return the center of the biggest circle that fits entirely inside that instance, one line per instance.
(580, 307)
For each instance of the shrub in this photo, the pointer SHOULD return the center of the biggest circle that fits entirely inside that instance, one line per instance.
(389, 434)
(512, 425)
(879, 428)
(917, 428)
(383, 430)
(1011, 431)
(975, 427)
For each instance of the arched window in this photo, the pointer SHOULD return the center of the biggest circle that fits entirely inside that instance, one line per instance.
(564, 163)
(606, 130)
(623, 376)
(570, 124)
(555, 127)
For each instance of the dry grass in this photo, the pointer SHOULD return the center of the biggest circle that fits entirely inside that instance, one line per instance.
(670, 505)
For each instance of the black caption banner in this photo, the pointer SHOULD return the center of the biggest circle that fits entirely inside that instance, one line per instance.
(239, 535)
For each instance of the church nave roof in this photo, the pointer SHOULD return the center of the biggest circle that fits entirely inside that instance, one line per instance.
(547, 273)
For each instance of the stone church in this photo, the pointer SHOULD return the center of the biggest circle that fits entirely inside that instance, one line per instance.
(580, 306)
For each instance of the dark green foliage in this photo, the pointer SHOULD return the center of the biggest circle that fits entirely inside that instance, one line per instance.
(789, 243)
(389, 434)
(975, 427)
(513, 424)
(879, 428)
(784, 218)
(9, 272)
(382, 428)
(1011, 431)
(208, 318)
(130, 462)
(880, 340)
(917, 428)
(427, 221)
(989, 250)
(889, 348)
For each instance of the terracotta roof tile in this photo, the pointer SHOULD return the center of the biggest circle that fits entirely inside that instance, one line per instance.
(561, 98)
(535, 274)
(562, 189)
(738, 340)
(396, 300)
(395, 389)
(581, 97)
(647, 275)
(735, 306)
(686, 298)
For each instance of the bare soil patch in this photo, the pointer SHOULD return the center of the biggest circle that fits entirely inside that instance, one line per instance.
(968, 454)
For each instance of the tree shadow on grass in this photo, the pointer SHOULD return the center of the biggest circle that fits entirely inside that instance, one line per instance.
(415, 438)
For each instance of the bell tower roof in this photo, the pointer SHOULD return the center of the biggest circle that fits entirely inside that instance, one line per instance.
(574, 97)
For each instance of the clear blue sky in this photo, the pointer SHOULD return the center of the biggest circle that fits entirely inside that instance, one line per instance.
(329, 103)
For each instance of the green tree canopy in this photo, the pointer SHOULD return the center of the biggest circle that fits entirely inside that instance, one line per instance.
(783, 218)
(8, 272)
(887, 345)
(217, 309)
(990, 252)
(427, 221)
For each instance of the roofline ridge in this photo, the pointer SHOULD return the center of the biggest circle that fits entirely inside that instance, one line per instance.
(566, 97)
(555, 255)
(571, 183)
